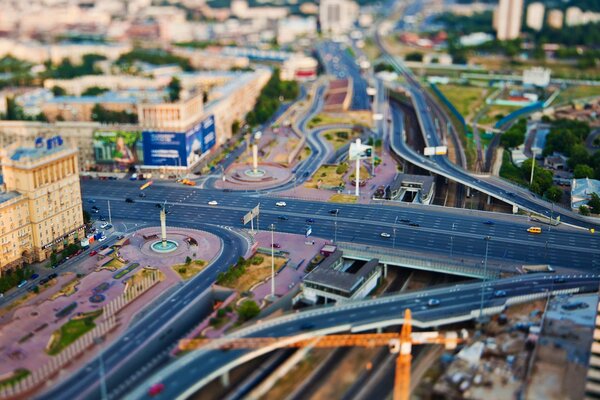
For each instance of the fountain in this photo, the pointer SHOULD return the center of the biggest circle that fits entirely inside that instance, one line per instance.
(255, 172)
(164, 245)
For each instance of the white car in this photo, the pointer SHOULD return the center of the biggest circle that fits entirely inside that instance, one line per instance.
(212, 203)
(102, 239)
(385, 235)
(104, 225)
(280, 204)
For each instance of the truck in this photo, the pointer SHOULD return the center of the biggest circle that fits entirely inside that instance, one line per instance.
(535, 268)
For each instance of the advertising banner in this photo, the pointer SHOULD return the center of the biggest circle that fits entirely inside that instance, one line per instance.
(209, 136)
(164, 148)
(200, 139)
(121, 149)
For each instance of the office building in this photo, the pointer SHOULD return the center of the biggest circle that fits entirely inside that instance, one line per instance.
(299, 68)
(508, 19)
(535, 16)
(40, 205)
(555, 19)
(337, 16)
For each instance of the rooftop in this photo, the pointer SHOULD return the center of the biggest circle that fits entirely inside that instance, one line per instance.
(5, 196)
(344, 281)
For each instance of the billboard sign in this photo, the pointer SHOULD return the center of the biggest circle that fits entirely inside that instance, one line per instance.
(165, 148)
(200, 139)
(251, 214)
(122, 149)
(360, 151)
(209, 135)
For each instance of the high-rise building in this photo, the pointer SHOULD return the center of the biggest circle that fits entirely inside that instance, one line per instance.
(508, 19)
(337, 16)
(535, 16)
(573, 16)
(555, 19)
(40, 206)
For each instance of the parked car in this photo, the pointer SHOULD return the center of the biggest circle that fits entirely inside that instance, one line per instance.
(53, 276)
(43, 281)
(104, 225)
(34, 276)
(93, 253)
(281, 204)
(22, 283)
(109, 226)
(104, 246)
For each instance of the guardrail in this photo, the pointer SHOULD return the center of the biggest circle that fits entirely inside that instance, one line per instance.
(404, 259)
(520, 112)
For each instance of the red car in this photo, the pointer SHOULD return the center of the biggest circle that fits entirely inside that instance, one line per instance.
(155, 389)
(93, 253)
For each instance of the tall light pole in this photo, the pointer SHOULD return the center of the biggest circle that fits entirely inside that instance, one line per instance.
(272, 263)
(452, 240)
(337, 211)
(487, 242)
(109, 217)
(394, 229)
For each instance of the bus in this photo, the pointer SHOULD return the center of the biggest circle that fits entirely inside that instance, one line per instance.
(145, 185)
(535, 268)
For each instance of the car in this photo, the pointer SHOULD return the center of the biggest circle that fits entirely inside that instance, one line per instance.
(282, 217)
(534, 229)
(276, 245)
(142, 194)
(156, 389)
(489, 222)
(34, 276)
(102, 218)
(95, 211)
(574, 306)
(91, 201)
(404, 220)
(102, 239)
(104, 246)
(22, 283)
(158, 205)
(433, 302)
(281, 204)
(560, 279)
(413, 224)
(78, 252)
(213, 203)
(305, 174)
(385, 235)
(53, 276)
(129, 200)
(120, 237)
(499, 293)
(109, 226)
(43, 281)
(95, 208)
(62, 261)
(33, 288)
(93, 253)
(307, 326)
(310, 220)
(334, 212)
(104, 225)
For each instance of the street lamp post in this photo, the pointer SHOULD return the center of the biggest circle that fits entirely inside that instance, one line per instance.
(272, 263)
(337, 211)
(487, 242)
(109, 216)
(452, 240)
(394, 229)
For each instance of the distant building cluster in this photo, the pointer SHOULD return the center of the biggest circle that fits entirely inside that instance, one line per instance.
(40, 202)
(508, 16)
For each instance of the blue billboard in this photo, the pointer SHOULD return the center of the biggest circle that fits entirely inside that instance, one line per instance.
(200, 139)
(164, 148)
(209, 136)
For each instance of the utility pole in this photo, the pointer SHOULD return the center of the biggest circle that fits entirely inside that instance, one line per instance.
(487, 242)
(532, 167)
(337, 211)
(272, 263)
(394, 239)
(109, 217)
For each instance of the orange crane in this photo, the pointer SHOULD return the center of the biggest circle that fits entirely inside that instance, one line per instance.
(400, 344)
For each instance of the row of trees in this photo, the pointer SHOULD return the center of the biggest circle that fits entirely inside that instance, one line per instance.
(67, 70)
(101, 114)
(270, 99)
(155, 57)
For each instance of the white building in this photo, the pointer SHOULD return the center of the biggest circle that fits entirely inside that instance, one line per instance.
(508, 19)
(537, 76)
(241, 10)
(535, 16)
(555, 19)
(299, 68)
(337, 16)
(475, 39)
(573, 16)
(289, 29)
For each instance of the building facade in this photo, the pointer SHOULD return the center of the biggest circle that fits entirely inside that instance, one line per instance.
(42, 202)
(535, 16)
(555, 19)
(337, 16)
(508, 19)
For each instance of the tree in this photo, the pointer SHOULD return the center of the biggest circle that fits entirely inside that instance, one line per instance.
(174, 89)
(584, 210)
(579, 155)
(248, 310)
(583, 171)
(58, 91)
(554, 194)
(594, 203)
(414, 56)
(515, 135)
(94, 91)
(188, 260)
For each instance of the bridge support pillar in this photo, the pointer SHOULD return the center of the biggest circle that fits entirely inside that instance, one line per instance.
(385, 268)
(380, 330)
(225, 379)
(489, 200)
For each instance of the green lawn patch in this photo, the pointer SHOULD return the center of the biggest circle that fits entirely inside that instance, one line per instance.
(576, 92)
(463, 97)
(125, 271)
(510, 171)
(72, 331)
(17, 375)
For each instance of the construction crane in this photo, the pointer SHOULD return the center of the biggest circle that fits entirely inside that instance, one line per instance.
(400, 344)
